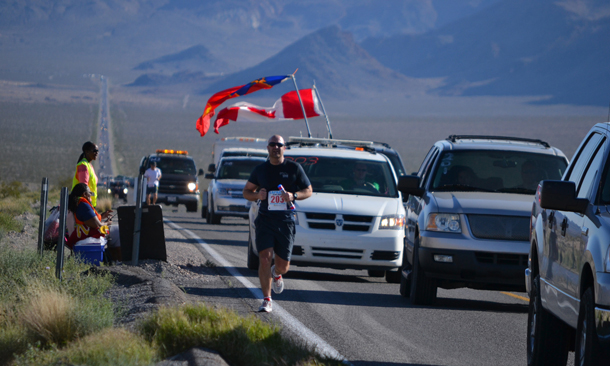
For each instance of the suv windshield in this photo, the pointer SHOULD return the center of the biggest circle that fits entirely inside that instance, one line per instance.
(348, 176)
(495, 171)
(236, 169)
(171, 165)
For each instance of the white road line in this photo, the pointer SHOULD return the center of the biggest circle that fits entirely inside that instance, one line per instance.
(288, 320)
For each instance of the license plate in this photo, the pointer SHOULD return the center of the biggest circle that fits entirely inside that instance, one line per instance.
(171, 199)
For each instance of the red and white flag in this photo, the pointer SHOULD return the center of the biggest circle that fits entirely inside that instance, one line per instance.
(287, 108)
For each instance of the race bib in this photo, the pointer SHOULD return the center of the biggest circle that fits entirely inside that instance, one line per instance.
(276, 201)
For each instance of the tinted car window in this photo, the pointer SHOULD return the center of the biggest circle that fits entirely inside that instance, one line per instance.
(171, 165)
(592, 171)
(579, 163)
(236, 169)
(338, 175)
(495, 171)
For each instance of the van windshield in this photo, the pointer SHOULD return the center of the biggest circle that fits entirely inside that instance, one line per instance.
(495, 171)
(348, 176)
(237, 169)
(171, 165)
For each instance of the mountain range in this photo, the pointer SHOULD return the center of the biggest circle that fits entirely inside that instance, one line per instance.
(351, 48)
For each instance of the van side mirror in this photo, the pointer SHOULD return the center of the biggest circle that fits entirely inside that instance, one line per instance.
(211, 168)
(561, 195)
(409, 185)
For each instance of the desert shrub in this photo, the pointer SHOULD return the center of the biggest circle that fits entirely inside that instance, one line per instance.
(107, 348)
(12, 189)
(174, 330)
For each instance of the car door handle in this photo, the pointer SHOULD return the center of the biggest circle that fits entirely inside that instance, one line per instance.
(564, 226)
(551, 217)
(584, 231)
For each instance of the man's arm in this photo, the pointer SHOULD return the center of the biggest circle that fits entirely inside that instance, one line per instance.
(251, 194)
(303, 194)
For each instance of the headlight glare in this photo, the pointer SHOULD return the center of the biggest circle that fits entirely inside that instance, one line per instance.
(192, 186)
(392, 222)
(449, 223)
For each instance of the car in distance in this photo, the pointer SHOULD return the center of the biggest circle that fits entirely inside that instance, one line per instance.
(568, 274)
(179, 184)
(225, 192)
(344, 225)
(468, 213)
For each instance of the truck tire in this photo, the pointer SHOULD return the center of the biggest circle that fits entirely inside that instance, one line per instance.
(212, 217)
(547, 341)
(204, 212)
(423, 289)
(191, 207)
(587, 344)
(252, 257)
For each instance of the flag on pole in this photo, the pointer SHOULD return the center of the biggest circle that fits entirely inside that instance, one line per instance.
(203, 123)
(287, 108)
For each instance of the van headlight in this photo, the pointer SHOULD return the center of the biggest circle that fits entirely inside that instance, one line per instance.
(392, 222)
(192, 186)
(449, 223)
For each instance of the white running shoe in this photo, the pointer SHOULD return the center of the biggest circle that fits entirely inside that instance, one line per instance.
(266, 306)
(278, 282)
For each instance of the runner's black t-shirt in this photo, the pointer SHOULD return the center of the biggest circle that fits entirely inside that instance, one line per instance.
(289, 174)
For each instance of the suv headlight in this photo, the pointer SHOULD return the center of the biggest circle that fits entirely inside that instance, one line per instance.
(449, 223)
(395, 222)
(192, 186)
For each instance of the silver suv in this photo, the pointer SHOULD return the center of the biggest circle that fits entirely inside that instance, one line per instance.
(468, 213)
(568, 276)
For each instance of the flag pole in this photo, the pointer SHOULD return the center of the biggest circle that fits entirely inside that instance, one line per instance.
(330, 132)
(301, 101)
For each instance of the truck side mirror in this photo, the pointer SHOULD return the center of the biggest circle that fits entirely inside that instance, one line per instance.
(209, 176)
(211, 168)
(561, 195)
(409, 185)
(200, 172)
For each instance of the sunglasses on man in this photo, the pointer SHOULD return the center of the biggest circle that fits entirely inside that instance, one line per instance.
(276, 144)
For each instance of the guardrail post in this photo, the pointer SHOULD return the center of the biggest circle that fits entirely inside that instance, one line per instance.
(63, 210)
(44, 194)
(137, 224)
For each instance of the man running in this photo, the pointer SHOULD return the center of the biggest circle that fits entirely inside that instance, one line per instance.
(153, 175)
(275, 226)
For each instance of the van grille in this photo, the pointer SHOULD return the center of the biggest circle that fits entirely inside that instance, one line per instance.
(337, 253)
(326, 221)
(499, 227)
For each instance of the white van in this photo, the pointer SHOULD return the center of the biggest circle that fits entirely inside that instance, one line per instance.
(345, 225)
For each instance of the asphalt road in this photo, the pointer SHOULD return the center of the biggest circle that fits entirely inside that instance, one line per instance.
(367, 321)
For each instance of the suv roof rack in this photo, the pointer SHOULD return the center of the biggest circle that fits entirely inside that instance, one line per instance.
(454, 138)
(294, 140)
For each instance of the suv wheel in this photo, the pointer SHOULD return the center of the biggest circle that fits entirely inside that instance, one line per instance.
(546, 335)
(204, 212)
(212, 217)
(423, 289)
(393, 276)
(191, 207)
(587, 344)
(405, 276)
(252, 258)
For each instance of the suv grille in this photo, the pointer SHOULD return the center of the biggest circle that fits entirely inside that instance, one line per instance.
(325, 221)
(499, 227)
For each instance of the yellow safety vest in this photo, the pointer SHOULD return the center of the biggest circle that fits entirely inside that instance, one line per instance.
(92, 180)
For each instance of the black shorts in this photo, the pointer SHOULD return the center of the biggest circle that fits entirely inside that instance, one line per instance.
(276, 234)
(152, 190)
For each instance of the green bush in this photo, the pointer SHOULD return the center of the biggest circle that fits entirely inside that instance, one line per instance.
(174, 330)
(12, 189)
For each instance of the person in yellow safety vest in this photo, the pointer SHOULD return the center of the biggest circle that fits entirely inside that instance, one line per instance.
(85, 172)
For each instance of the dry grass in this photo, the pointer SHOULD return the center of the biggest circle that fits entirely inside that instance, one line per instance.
(49, 316)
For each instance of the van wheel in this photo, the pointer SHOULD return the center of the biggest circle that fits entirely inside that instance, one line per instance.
(423, 289)
(587, 344)
(546, 335)
(252, 257)
(375, 273)
(393, 276)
